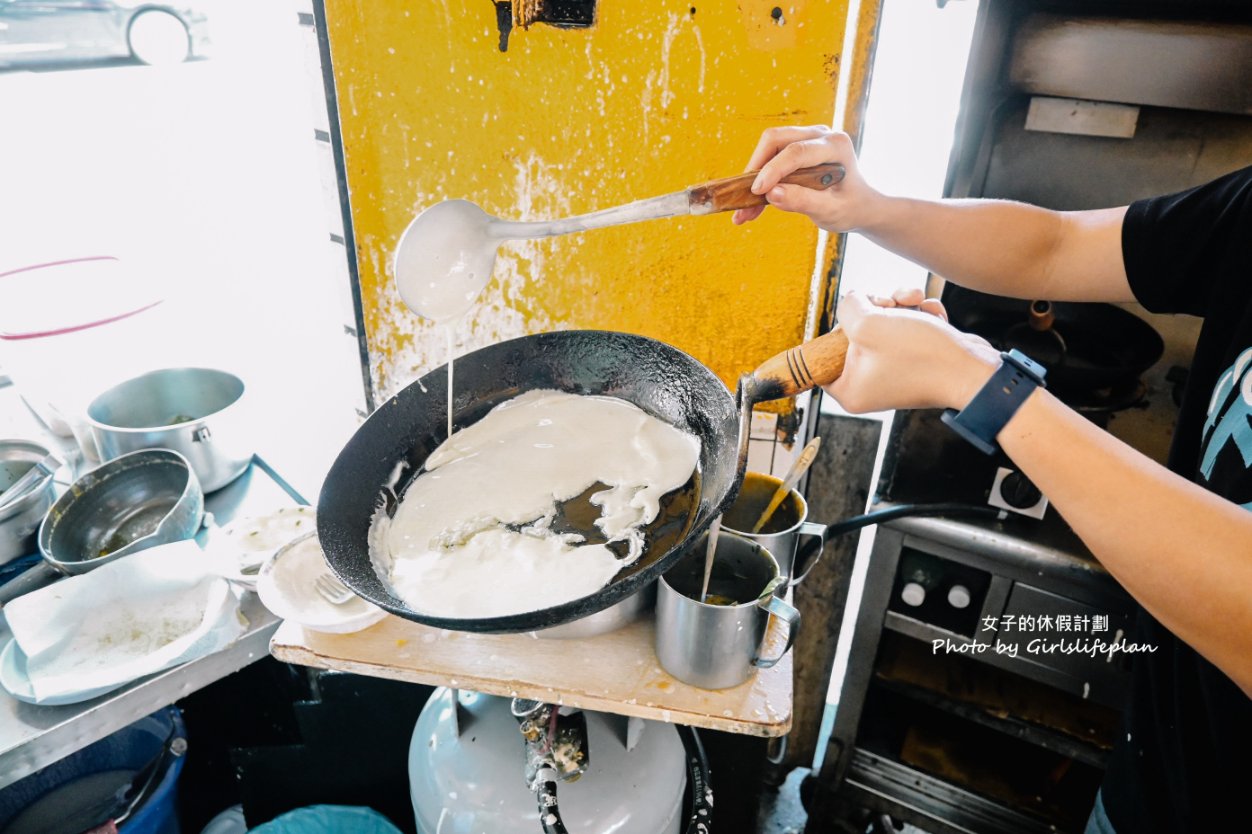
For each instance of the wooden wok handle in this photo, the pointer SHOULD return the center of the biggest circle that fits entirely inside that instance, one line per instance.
(736, 192)
(814, 363)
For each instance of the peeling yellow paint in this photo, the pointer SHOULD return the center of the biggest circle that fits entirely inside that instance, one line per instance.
(657, 96)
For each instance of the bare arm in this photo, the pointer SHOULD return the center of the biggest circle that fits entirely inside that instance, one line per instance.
(1184, 553)
(994, 246)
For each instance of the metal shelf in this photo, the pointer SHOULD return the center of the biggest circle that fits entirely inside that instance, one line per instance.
(1035, 734)
(33, 737)
(1105, 689)
(877, 782)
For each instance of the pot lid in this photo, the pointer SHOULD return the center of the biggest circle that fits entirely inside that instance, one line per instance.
(51, 299)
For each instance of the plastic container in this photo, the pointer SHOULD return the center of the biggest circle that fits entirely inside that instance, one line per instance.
(69, 329)
(61, 795)
(329, 819)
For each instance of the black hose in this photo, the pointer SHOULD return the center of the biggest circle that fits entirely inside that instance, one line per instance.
(700, 818)
(850, 525)
(549, 812)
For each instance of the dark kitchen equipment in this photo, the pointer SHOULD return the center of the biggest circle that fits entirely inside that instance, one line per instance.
(137, 501)
(660, 379)
(1085, 347)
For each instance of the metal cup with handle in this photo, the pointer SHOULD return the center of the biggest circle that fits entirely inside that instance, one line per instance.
(717, 646)
(786, 526)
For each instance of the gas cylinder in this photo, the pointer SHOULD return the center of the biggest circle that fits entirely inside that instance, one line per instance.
(468, 763)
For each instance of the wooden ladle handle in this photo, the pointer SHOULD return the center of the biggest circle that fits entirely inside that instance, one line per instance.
(736, 192)
(814, 363)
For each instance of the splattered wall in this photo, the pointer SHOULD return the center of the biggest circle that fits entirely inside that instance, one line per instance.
(650, 98)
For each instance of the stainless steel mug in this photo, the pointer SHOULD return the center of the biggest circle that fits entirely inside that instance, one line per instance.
(781, 534)
(719, 646)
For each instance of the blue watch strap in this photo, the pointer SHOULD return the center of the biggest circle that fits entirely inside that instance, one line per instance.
(995, 404)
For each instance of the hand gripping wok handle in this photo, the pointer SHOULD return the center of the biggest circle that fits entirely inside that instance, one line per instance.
(736, 192)
(814, 363)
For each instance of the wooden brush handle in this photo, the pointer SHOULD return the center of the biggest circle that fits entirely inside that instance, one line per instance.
(814, 363)
(736, 192)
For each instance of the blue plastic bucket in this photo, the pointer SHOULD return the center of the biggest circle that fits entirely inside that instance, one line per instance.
(90, 778)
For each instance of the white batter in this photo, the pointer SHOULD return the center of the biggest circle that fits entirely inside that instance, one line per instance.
(447, 551)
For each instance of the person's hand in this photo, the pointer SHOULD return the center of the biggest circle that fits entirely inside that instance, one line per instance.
(843, 207)
(902, 353)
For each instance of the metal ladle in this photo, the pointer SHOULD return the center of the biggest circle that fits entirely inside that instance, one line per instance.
(446, 255)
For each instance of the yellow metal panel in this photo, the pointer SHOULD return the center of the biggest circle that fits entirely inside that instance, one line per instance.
(656, 96)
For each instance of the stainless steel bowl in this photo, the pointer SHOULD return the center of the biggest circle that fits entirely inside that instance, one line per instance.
(137, 501)
(194, 411)
(20, 521)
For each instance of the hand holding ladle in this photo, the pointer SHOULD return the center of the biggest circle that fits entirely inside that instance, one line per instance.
(446, 255)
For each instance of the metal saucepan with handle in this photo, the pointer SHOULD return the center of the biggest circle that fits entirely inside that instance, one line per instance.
(131, 503)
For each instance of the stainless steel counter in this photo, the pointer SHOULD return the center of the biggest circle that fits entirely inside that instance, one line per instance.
(33, 737)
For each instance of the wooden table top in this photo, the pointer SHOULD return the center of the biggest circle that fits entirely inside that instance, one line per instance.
(616, 672)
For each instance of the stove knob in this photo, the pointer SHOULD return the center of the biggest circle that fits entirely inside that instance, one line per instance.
(958, 596)
(1017, 491)
(913, 594)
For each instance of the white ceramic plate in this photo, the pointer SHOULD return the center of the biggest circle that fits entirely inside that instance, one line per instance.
(285, 587)
(248, 543)
(14, 680)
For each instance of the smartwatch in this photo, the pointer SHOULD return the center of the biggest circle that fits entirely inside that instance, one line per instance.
(995, 404)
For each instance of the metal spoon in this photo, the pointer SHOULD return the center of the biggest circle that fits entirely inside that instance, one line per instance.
(446, 255)
(802, 464)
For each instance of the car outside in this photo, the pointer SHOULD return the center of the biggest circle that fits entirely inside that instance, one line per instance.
(63, 31)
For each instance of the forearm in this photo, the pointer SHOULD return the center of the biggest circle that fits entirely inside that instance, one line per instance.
(995, 246)
(1003, 247)
(1182, 552)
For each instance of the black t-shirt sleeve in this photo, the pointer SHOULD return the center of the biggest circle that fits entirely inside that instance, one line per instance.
(1173, 245)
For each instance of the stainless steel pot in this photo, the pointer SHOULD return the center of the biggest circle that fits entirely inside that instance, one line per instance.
(19, 522)
(194, 411)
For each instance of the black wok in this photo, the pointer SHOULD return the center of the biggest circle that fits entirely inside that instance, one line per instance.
(660, 379)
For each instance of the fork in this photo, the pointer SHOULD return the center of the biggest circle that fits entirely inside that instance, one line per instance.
(331, 589)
